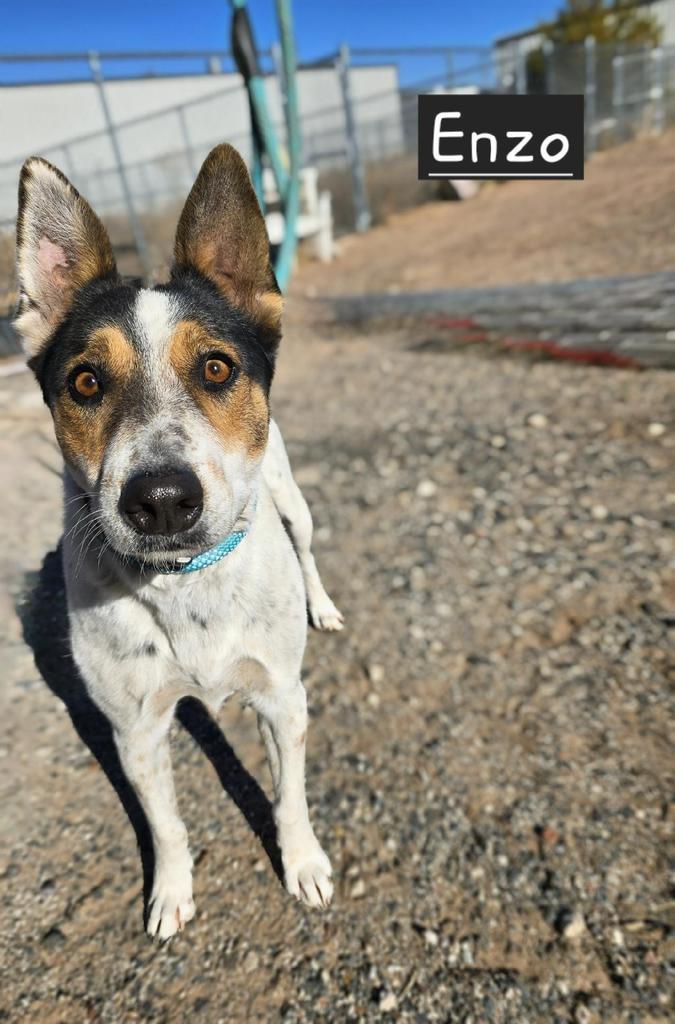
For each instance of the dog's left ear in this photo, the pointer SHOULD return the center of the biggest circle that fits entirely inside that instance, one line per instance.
(61, 245)
(222, 234)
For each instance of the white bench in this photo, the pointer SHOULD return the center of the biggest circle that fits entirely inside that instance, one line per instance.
(315, 219)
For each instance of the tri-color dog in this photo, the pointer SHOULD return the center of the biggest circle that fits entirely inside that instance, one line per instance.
(187, 542)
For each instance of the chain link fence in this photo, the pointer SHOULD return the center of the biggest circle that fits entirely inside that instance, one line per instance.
(629, 90)
(358, 114)
(359, 127)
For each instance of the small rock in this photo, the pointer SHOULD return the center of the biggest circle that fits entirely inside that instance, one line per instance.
(426, 489)
(656, 429)
(498, 441)
(575, 928)
(358, 890)
(52, 938)
(537, 420)
(251, 962)
(388, 1002)
(599, 512)
(431, 937)
(550, 836)
(376, 673)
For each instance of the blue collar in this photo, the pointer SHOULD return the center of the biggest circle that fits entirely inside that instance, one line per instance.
(202, 560)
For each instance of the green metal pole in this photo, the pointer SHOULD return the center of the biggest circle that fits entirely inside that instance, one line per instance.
(286, 254)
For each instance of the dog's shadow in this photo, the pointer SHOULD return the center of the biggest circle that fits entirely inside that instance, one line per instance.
(45, 629)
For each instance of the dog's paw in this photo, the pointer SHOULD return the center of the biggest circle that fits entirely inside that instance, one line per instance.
(171, 904)
(307, 874)
(323, 613)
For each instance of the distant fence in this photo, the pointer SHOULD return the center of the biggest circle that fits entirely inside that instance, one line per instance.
(358, 109)
(358, 113)
(629, 88)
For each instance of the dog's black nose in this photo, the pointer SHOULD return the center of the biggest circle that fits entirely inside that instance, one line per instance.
(164, 504)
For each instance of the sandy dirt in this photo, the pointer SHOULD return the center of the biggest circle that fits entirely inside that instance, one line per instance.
(489, 763)
(620, 220)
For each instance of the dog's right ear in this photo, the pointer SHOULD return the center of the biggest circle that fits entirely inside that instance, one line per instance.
(221, 234)
(61, 245)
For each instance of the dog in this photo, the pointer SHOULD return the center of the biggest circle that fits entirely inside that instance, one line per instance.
(186, 544)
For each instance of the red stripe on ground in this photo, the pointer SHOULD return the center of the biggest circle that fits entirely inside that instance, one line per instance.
(473, 332)
(597, 357)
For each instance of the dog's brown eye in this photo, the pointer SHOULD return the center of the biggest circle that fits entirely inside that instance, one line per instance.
(86, 383)
(217, 371)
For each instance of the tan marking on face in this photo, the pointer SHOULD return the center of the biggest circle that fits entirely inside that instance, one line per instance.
(239, 413)
(269, 307)
(111, 347)
(84, 431)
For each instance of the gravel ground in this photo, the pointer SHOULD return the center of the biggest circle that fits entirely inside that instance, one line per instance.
(489, 764)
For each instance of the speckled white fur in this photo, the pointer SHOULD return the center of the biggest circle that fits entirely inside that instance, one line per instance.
(143, 640)
(238, 627)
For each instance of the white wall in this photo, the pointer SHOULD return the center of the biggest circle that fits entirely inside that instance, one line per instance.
(52, 119)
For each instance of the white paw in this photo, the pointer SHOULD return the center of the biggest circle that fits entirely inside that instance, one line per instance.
(171, 905)
(307, 872)
(323, 613)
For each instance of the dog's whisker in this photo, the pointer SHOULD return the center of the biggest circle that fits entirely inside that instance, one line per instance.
(90, 535)
(81, 523)
(83, 496)
(83, 532)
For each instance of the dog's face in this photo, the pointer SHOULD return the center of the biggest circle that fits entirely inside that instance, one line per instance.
(159, 396)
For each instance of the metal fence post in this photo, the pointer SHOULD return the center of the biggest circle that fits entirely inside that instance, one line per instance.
(547, 50)
(590, 93)
(187, 141)
(618, 94)
(363, 218)
(136, 229)
(68, 160)
(521, 69)
(449, 69)
(657, 91)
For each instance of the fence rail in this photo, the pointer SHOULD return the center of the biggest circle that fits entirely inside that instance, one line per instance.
(358, 114)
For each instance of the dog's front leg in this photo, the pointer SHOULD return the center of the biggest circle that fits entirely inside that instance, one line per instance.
(294, 511)
(283, 726)
(143, 748)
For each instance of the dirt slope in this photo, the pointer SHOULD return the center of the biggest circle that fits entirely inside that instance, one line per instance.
(620, 220)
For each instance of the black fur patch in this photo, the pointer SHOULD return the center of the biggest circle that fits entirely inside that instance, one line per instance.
(198, 620)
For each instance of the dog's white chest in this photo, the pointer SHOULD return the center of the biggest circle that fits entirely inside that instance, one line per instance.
(215, 628)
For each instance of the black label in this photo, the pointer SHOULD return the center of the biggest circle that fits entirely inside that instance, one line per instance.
(538, 137)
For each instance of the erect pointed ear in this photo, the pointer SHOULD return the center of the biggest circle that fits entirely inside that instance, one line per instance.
(61, 245)
(222, 234)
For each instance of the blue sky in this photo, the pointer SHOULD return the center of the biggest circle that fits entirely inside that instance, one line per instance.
(71, 25)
